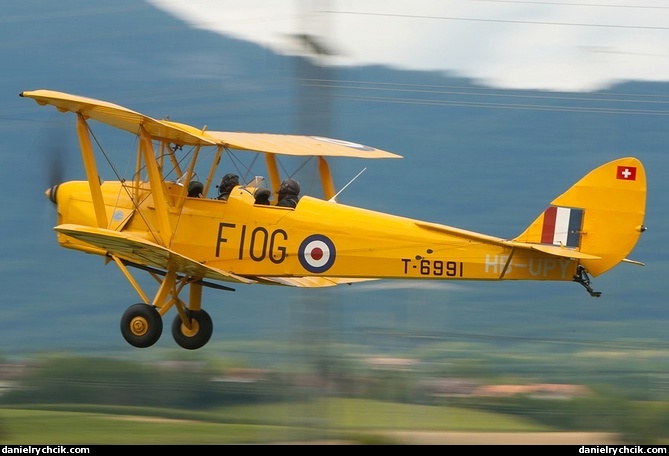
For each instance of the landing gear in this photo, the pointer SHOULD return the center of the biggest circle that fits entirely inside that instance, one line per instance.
(141, 325)
(583, 278)
(199, 332)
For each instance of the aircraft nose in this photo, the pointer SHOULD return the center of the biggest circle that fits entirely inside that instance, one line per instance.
(51, 193)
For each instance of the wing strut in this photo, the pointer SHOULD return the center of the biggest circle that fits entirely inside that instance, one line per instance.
(130, 278)
(212, 170)
(273, 170)
(91, 171)
(326, 178)
(156, 181)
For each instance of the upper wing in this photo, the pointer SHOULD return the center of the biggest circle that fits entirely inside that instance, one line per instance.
(122, 118)
(143, 252)
(297, 145)
(182, 134)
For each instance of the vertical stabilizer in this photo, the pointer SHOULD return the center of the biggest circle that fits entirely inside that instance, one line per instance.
(601, 215)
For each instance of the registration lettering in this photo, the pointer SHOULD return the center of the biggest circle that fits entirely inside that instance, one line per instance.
(258, 243)
(436, 268)
(535, 267)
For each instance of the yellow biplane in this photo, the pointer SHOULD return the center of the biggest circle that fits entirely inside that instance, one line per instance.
(151, 221)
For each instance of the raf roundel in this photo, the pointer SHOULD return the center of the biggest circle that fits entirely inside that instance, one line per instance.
(317, 253)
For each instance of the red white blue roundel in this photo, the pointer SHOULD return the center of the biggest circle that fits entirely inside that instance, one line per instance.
(316, 253)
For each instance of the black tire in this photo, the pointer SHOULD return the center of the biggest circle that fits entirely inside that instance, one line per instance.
(198, 336)
(141, 325)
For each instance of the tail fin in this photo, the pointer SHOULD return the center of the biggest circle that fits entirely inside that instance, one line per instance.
(601, 215)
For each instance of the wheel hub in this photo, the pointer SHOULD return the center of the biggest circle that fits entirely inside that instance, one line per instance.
(193, 330)
(139, 326)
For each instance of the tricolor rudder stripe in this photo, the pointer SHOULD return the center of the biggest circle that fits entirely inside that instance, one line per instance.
(562, 226)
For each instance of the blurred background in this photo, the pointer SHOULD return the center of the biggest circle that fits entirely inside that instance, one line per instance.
(496, 106)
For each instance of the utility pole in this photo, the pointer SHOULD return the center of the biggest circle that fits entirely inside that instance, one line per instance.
(313, 73)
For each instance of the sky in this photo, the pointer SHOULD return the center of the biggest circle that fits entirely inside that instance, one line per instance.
(560, 45)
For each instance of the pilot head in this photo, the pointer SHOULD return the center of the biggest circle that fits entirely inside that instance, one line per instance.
(228, 183)
(195, 189)
(289, 187)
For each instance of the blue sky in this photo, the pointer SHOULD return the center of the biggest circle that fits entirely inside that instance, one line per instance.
(554, 45)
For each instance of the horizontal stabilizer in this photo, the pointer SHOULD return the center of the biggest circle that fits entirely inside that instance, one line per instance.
(485, 239)
(556, 250)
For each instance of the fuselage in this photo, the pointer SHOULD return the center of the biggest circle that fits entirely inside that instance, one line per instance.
(316, 238)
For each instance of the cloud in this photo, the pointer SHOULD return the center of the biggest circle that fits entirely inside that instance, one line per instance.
(501, 43)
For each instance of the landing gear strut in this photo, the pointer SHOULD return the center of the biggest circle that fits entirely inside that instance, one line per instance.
(583, 278)
(142, 324)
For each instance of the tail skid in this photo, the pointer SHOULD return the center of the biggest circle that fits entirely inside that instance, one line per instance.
(583, 278)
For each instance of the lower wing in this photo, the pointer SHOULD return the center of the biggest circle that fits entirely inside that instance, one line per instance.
(310, 281)
(140, 251)
(146, 253)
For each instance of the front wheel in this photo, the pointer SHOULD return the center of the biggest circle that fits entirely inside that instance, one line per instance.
(141, 325)
(199, 333)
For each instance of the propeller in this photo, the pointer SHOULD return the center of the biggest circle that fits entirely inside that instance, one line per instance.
(54, 152)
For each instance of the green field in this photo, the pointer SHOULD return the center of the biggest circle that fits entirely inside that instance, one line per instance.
(359, 421)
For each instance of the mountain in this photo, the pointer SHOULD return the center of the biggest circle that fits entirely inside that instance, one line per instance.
(477, 158)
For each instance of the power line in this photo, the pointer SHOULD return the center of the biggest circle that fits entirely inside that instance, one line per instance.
(468, 97)
(481, 91)
(587, 5)
(473, 104)
(502, 21)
